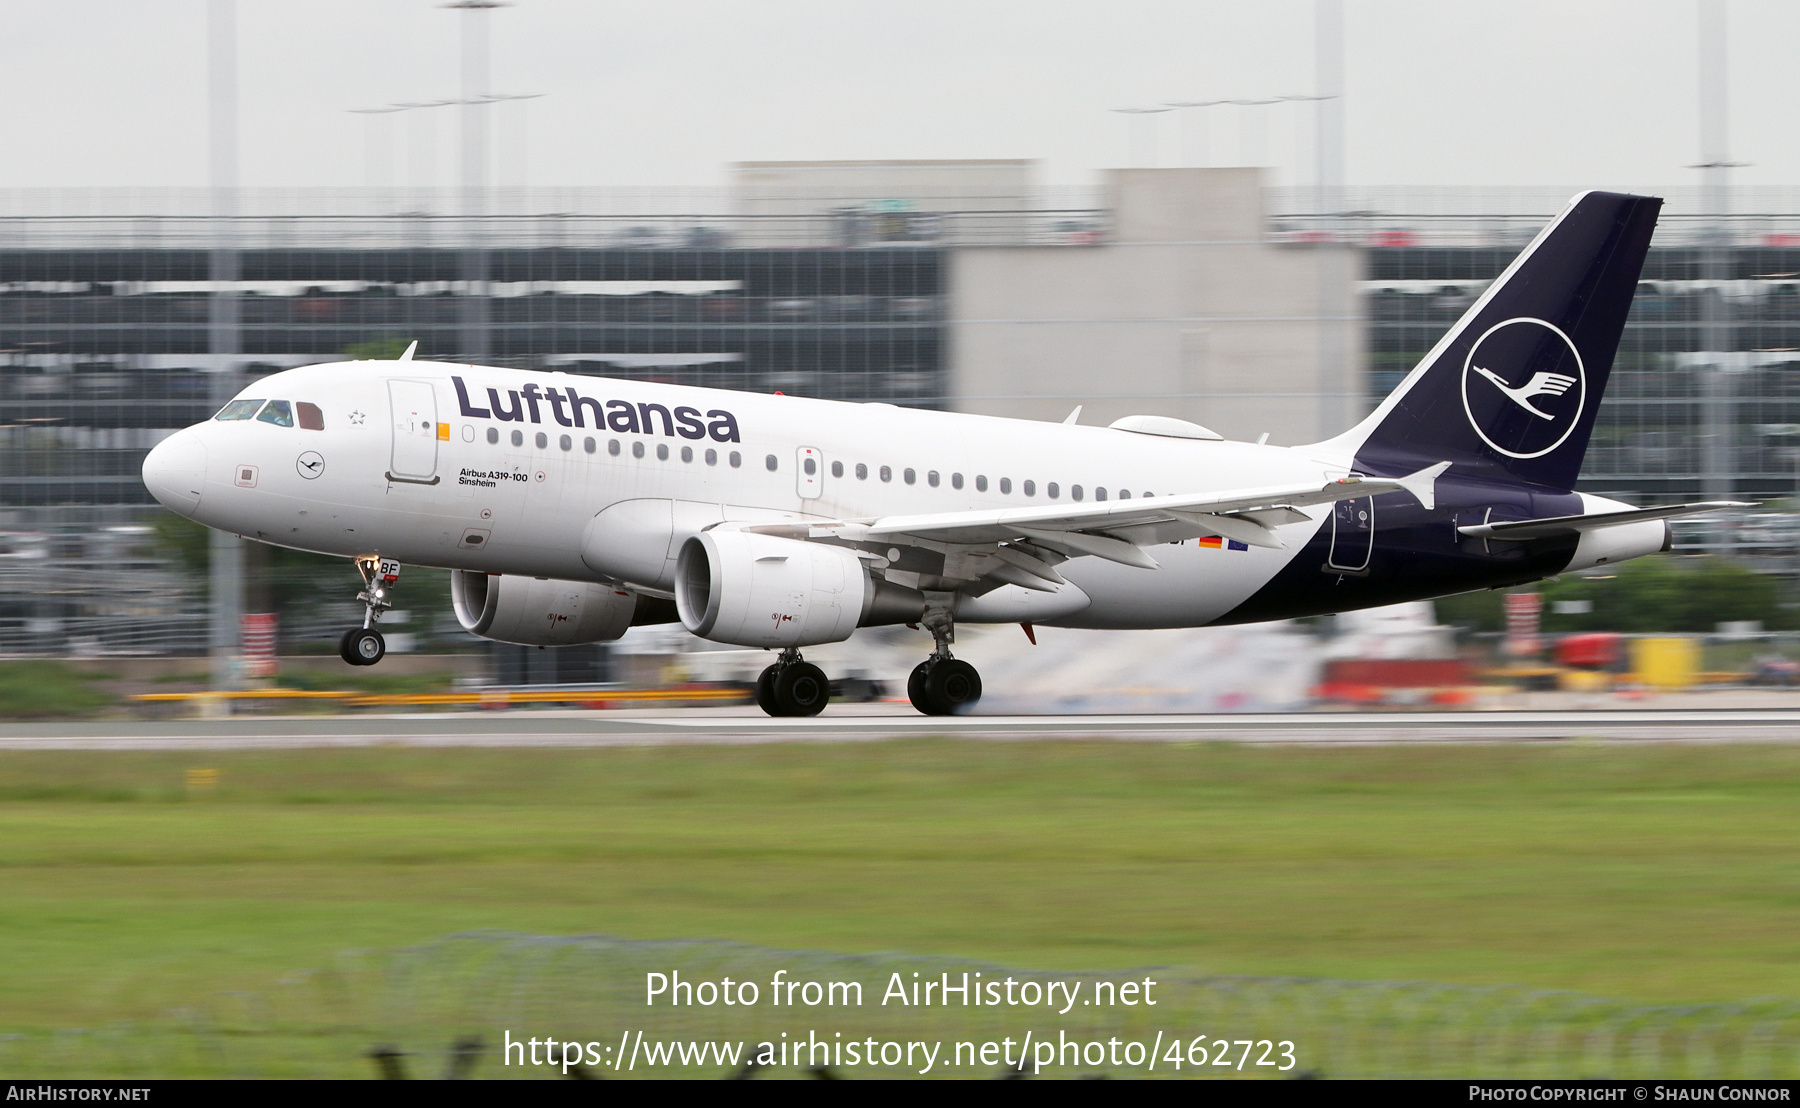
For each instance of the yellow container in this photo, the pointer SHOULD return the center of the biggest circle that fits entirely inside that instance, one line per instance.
(1666, 663)
(1584, 680)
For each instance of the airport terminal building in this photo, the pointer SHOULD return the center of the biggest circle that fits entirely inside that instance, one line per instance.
(1197, 293)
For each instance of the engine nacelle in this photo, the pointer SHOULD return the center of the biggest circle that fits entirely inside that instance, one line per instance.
(531, 612)
(1603, 546)
(749, 589)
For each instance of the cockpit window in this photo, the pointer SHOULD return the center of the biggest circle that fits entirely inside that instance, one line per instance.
(278, 412)
(311, 418)
(239, 409)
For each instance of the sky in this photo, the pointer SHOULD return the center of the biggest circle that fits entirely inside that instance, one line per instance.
(1472, 93)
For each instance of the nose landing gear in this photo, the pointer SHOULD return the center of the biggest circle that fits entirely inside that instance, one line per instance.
(942, 685)
(792, 687)
(364, 646)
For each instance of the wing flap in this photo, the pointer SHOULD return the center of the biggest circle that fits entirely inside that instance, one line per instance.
(1100, 546)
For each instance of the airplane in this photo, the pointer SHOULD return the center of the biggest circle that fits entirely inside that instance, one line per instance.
(570, 508)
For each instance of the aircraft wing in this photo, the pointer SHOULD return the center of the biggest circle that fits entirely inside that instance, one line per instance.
(1022, 545)
(1196, 508)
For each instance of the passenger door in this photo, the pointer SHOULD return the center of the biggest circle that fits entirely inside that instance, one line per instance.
(416, 432)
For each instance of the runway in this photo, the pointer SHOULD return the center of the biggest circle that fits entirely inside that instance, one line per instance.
(881, 722)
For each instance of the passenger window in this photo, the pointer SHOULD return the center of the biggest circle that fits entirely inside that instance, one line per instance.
(493, 434)
(837, 469)
(887, 474)
(588, 444)
(278, 412)
(931, 479)
(712, 457)
(862, 472)
(771, 462)
(565, 442)
(637, 450)
(1099, 494)
(1053, 490)
(1074, 491)
(736, 459)
(311, 418)
(1124, 494)
(1030, 488)
(909, 476)
(810, 465)
(980, 483)
(1006, 485)
(542, 440)
(518, 438)
(956, 480)
(687, 453)
(239, 409)
(662, 451)
(612, 447)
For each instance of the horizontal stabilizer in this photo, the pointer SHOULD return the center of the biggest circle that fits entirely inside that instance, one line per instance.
(1522, 529)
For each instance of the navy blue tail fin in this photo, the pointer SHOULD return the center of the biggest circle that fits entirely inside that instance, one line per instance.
(1510, 392)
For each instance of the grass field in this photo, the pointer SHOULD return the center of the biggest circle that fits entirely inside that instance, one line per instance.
(1653, 873)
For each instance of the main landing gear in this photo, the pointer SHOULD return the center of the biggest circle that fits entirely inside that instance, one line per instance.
(792, 687)
(942, 685)
(364, 646)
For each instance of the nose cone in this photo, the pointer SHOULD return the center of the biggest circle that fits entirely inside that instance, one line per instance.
(175, 472)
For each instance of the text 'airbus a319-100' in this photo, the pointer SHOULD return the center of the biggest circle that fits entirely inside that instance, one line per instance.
(570, 508)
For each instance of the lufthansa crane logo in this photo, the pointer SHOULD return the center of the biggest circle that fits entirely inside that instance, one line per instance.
(1524, 387)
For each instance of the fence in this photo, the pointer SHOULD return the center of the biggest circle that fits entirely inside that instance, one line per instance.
(852, 226)
(446, 1009)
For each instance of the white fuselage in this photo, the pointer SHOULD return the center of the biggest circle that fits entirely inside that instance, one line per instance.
(401, 468)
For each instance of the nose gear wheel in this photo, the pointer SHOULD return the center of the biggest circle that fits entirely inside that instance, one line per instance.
(364, 646)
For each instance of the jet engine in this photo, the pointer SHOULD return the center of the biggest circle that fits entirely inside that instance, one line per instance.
(534, 612)
(750, 589)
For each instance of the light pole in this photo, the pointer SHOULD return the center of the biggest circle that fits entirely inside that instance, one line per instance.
(474, 173)
(224, 335)
(1132, 115)
(1718, 414)
(373, 144)
(1260, 152)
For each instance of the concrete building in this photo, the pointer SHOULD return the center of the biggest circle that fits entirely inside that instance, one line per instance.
(1186, 307)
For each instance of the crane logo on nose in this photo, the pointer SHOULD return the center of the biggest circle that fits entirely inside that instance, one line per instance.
(1537, 415)
(310, 465)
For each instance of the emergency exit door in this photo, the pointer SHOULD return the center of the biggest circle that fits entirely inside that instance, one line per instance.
(810, 472)
(416, 432)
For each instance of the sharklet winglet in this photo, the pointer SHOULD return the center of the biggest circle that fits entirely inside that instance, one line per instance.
(1423, 484)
